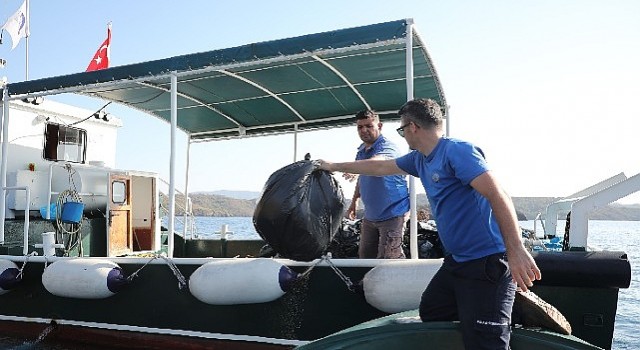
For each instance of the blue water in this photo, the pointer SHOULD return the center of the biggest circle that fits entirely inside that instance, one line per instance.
(609, 235)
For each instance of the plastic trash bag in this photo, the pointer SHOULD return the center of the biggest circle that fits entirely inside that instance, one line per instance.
(346, 241)
(429, 244)
(299, 211)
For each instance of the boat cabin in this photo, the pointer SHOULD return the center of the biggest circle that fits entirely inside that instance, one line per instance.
(60, 155)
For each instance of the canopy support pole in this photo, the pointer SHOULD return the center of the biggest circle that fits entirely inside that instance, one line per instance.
(413, 222)
(295, 142)
(187, 203)
(3, 161)
(172, 162)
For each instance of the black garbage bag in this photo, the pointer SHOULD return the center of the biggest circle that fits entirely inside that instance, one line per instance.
(429, 244)
(346, 241)
(299, 211)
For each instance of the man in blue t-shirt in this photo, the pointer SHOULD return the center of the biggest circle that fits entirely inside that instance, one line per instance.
(385, 198)
(476, 222)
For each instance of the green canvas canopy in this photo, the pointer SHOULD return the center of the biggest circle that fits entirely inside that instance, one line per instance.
(303, 83)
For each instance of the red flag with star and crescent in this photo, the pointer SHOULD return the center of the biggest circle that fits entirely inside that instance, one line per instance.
(101, 58)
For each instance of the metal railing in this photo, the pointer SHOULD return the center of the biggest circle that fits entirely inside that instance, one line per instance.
(187, 220)
(25, 248)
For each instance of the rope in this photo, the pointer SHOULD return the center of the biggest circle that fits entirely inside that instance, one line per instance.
(72, 230)
(182, 281)
(340, 274)
(135, 273)
(26, 259)
(308, 270)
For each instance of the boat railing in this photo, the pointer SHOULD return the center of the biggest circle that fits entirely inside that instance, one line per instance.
(579, 228)
(581, 203)
(188, 219)
(25, 249)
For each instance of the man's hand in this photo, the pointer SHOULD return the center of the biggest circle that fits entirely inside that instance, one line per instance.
(349, 177)
(324, 165)
(351, 212)
(523, 268)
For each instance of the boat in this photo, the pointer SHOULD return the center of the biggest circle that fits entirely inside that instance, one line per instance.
(404, 331)
(85, 257)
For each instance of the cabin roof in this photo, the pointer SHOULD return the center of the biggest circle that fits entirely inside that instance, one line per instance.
(302, 83)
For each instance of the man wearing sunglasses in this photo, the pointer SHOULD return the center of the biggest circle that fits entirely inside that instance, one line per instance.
(385, 199)
(476, 222)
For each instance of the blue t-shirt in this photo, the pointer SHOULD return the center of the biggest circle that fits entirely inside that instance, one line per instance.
(466, 224)
(384, 197)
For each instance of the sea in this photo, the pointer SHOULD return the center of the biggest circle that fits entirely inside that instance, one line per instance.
(603, 234)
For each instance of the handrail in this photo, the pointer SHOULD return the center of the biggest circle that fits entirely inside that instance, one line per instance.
(189, 222)
(564, 205)
(581, 203)
(25, 248)
(579, 229)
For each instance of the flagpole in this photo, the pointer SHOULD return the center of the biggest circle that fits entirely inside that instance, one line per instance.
(26, 65)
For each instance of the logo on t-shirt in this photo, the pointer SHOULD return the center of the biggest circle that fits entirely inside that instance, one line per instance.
(435, 177)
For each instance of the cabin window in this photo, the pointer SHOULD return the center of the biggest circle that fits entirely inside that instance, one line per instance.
(64, 143)
(119, 192)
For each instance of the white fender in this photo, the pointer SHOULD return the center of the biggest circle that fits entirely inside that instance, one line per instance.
(397, 286)
(8, 275)
(241, 281)
(83, 278)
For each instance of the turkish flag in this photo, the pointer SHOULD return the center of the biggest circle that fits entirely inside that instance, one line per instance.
(101, 58)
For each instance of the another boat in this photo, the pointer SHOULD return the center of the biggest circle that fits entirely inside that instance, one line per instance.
(107, 272)
(405, 331)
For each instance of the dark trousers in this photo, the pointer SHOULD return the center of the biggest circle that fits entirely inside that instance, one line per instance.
(479, 293)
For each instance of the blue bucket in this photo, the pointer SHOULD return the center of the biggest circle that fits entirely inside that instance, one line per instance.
(72, 212)
(52, 212)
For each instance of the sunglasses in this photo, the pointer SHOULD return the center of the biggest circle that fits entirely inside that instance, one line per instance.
(400, 130)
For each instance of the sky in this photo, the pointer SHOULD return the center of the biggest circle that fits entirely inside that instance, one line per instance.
(547, 89)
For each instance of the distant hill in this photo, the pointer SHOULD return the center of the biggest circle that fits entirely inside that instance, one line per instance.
(234, 194)
(529, 207)
(242, 203)
(213, 205)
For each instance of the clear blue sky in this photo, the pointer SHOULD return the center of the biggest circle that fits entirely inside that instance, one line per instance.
(548, 89)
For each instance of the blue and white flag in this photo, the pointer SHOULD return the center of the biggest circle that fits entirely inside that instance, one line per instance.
(18, 25)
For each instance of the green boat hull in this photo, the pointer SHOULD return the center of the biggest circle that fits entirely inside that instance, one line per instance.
(386, 333)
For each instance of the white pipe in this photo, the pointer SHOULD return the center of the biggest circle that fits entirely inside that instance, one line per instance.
(3, 161)
(413, 217)
(187, 202)
(172, 161)
(26, 42)
(295, 142)
(47, 211)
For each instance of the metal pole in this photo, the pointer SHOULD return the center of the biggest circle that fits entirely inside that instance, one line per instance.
(26, 66)
(413, 217)
(3, 162)
(187, 203)
(172, 161)
(448, 123)
(25, 229)
(295, 142)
